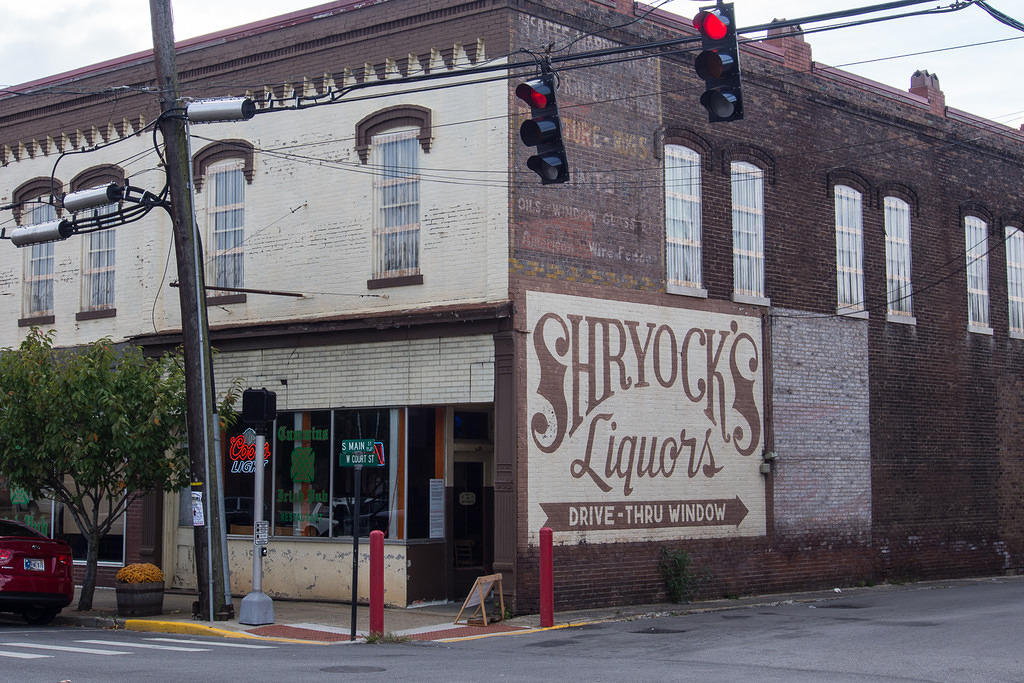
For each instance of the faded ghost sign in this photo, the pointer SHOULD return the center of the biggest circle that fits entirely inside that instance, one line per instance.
(643, 422)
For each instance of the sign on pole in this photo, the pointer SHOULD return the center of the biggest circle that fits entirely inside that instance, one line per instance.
(366, 452)
(261, 532)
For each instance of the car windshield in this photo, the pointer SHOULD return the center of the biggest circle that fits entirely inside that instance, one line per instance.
(8, 528)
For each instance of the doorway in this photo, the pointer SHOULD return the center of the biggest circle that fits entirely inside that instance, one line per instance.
(472, 523)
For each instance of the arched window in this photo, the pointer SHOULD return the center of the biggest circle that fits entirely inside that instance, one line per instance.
(1015, 279)
(98, 249)
(849, 249)
(747, 232)
(392, 140)
(222, 170)
(682, 219)
(33, 205)
(897, 258)
(976, 241)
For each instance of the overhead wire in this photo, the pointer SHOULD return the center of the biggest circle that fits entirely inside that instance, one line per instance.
(651, 169)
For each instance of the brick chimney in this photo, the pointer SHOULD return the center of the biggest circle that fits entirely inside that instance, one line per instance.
(796, 50)
(926, 85)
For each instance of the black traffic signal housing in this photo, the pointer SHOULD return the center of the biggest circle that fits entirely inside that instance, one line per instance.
(543, 130)
(259, 408)
(719, 63)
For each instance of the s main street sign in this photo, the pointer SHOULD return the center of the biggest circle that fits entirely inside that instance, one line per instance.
(365, 452)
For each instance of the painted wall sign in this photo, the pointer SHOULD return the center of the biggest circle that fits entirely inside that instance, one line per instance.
(643, 422)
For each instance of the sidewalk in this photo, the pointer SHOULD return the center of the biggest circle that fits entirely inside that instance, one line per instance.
(329, 622)
(323, 622)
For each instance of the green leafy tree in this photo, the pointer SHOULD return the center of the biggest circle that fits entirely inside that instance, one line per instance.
(94, 428)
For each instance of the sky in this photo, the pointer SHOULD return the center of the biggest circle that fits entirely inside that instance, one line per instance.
(39, 39)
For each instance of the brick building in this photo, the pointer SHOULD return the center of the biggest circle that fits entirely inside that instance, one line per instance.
(789, 345)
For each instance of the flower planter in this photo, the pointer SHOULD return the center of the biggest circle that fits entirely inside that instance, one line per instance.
(140, 599)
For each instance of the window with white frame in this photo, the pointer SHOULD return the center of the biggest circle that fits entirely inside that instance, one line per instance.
(226, 222)
(39, 266)
(897, 257)
(682, 218)
(976, 242)
(849, 250)
(98, 267)
(747, 229)
(396, 225)
(1015, 278)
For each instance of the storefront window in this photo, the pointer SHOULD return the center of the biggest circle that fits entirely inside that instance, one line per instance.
(111, 545)
(310, 493)
(239, 493)
(16, 504)
(56, 521)
(376, 489)
(423, 463)
(302, 474)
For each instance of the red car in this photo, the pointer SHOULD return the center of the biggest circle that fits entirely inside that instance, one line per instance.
(35, 573)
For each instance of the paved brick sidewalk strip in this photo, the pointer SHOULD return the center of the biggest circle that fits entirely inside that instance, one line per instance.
(297, 633)
(465, 631)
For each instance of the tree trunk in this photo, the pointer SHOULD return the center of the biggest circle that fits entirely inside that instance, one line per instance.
(92, 556)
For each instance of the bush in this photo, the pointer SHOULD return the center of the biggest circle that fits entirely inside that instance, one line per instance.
(681, 582)
(140, 573)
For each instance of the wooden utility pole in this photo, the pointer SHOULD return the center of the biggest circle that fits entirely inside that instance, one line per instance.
(208, 538)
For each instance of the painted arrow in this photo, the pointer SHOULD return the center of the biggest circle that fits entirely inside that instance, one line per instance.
(644, 515)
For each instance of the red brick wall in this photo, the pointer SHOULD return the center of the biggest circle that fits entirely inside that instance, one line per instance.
(941, 407)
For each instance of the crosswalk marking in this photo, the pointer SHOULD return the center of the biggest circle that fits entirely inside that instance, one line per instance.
(215, 643)
(150, 646)
(22, 655)
(68, 648)
(124, 648)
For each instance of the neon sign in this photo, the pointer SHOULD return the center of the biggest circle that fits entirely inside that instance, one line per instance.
(243, 455)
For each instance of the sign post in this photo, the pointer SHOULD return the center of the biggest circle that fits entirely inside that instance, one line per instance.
(357, 453)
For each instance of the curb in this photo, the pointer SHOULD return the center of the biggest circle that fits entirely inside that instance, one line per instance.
(86, 622)
(186, 628)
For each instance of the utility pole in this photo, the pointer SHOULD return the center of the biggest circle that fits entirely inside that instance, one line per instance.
(200, 394)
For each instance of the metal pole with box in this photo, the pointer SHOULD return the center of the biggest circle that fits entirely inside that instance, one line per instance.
(259, 409)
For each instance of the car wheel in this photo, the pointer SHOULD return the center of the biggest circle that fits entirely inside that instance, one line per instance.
(39, 616)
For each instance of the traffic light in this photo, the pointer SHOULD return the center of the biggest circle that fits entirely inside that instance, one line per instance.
(543, 130)
(719, 63)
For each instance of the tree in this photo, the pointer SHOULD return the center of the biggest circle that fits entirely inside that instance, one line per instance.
(101, 425)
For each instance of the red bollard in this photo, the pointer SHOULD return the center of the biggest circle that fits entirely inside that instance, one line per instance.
(547, 589)
(377, 582)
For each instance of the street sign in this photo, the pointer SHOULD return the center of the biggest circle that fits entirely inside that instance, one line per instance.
(365, 452)
(261, 532)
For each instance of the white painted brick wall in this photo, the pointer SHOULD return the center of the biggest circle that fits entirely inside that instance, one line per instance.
(308, 220)
(413, 372)
(822, 426)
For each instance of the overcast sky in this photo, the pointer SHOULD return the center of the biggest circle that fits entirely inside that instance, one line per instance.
(39, 39)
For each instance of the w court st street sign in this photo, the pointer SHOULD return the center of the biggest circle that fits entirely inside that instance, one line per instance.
(365, 452)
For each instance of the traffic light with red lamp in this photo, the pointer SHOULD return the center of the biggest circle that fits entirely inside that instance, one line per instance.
(718, 64)
(543, 130)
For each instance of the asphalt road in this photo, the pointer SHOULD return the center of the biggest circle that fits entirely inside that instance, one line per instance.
(955, 631)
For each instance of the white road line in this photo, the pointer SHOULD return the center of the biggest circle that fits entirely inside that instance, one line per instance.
(150, 646)
(22, 655)
(213, 643)
(68, 648)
